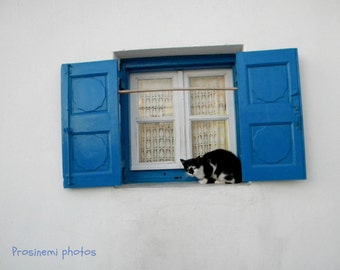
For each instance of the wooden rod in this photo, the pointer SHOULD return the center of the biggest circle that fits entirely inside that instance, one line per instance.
(132, 91)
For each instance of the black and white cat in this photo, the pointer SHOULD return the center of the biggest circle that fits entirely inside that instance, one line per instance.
(218, 166)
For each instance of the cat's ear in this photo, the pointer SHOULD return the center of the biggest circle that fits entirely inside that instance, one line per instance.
(182, 160)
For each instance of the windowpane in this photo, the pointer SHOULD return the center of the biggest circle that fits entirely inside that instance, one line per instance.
(208, 135)
(156, 142)
(169, 125)
(155, 104)
(208, 102)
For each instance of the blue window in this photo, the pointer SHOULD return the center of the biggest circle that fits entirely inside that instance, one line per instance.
(95, 117)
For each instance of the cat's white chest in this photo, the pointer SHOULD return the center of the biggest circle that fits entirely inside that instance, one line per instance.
(199, 172)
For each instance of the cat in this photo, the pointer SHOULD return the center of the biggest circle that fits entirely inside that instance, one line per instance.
(218, 166)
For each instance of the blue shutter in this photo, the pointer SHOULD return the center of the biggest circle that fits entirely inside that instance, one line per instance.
(90, 124)
(271, 142)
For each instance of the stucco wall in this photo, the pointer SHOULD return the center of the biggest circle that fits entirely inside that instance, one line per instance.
(265, 225)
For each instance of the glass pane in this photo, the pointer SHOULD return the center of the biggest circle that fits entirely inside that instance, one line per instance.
(155, 104)
(208, 102)
(208, 135)
(156, 142)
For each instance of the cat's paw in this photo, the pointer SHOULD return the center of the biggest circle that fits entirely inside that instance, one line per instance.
(232, 181)
(203, 181)
(219, 182)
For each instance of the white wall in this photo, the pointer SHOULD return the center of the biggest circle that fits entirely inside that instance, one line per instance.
(268, 225)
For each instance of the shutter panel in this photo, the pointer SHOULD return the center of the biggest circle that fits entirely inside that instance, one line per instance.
(90, 124)
(271, 142)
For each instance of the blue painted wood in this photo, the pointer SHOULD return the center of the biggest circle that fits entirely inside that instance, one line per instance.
(90, 124)
(271, 141)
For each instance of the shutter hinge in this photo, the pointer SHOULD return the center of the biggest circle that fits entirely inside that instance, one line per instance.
(68, 130)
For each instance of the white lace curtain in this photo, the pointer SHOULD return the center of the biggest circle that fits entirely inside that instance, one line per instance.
(156, 139)
(210, 134)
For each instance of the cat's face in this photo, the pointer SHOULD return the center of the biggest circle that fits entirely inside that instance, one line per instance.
(193, 167)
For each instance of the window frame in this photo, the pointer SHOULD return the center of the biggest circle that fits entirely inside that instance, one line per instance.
(135, 164)
(182, 118)
(229, 117)
(155, 64)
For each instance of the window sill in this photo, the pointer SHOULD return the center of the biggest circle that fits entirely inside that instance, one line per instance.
(192, 184)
